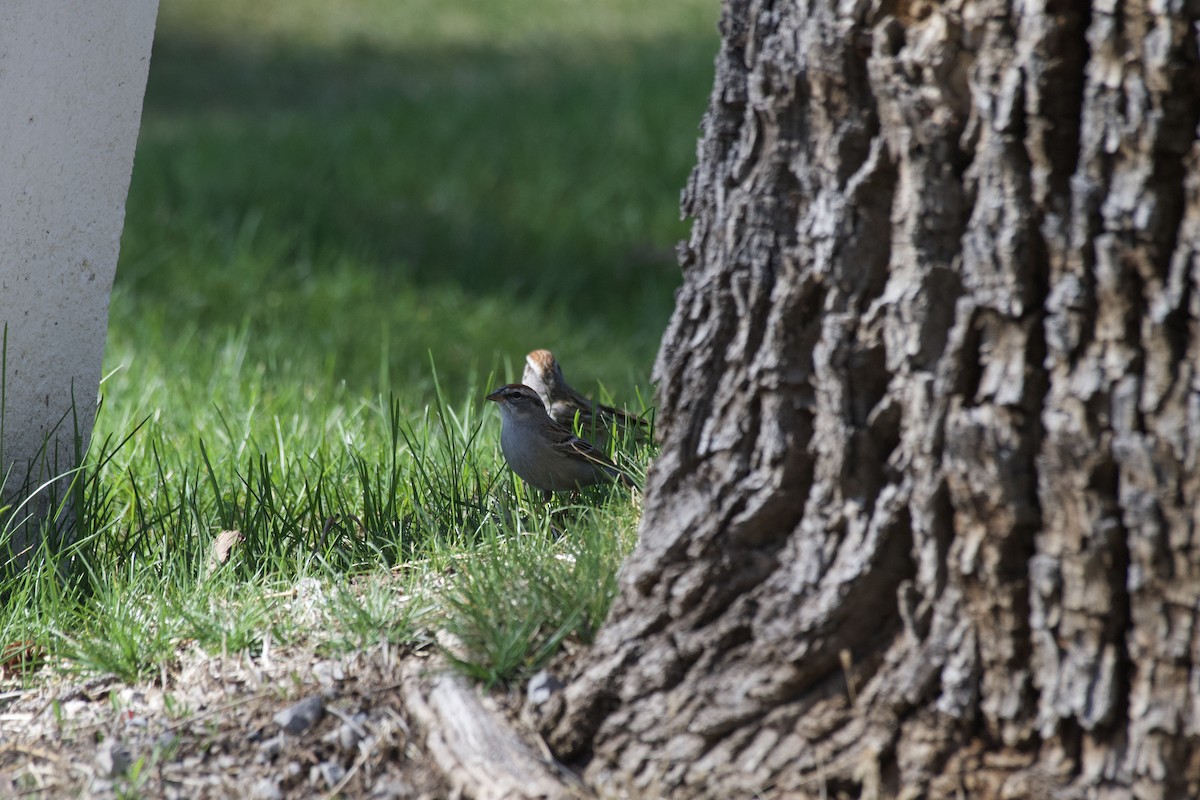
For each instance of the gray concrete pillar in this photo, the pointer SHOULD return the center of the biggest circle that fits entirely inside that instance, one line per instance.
(72, 77)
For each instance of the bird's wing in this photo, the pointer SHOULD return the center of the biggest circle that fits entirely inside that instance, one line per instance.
(624, 417)
(582, 448)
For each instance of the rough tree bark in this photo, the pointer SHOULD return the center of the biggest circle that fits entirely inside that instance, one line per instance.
(924, 523)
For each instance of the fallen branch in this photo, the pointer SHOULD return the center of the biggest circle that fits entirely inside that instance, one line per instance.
(478, 753)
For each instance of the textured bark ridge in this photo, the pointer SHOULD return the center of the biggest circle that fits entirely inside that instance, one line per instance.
(925, 519)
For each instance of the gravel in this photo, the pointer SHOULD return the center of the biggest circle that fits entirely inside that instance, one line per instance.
(289, 725)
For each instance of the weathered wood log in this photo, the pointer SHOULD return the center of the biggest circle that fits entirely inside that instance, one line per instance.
(477, 751)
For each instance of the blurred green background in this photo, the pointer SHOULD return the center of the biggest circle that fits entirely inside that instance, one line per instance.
(338, 207)
(327, 193)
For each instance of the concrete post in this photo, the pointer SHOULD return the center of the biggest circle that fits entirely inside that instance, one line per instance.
(72, 78)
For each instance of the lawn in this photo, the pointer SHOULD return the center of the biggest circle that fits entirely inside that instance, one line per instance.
(347, 222)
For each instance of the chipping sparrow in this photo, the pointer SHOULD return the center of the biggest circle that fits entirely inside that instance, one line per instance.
(544, 375)
(546, 455)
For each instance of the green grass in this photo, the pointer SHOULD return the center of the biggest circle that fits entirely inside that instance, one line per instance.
(519, 594)
(327, 201)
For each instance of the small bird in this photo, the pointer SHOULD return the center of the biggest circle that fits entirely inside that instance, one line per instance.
(543, 453)
(565, 405)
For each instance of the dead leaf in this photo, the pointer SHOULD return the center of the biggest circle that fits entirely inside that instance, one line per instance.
(222, 547)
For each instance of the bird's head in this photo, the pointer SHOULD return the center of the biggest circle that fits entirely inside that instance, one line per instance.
(517, 399)
(542, 372)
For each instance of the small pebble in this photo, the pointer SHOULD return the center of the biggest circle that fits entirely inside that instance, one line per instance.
(71, 708)
(112, 758)
(391, 788)
(270, 748)
(266, 789)
(349, 736)
(542, 687)
(332, 772)
(302, 716)
(328, 672)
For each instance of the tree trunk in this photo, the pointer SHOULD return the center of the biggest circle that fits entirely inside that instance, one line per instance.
(924, 522)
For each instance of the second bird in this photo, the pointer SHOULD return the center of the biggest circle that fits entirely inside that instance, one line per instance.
(565, 405)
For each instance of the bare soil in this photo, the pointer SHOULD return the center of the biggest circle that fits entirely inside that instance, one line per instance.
(207, 728)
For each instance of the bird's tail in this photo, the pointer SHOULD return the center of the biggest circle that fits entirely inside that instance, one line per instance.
(621, 475)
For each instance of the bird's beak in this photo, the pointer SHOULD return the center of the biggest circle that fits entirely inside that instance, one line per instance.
(494, 396)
